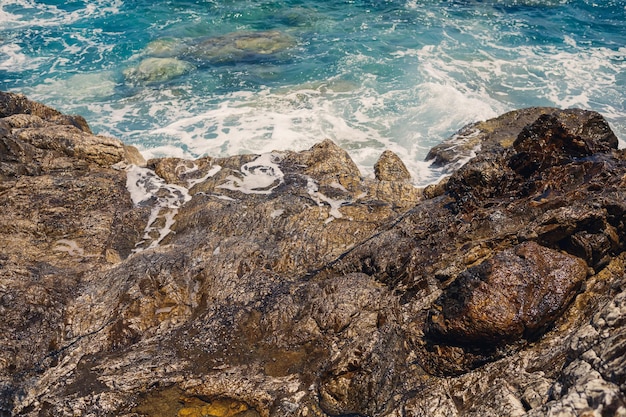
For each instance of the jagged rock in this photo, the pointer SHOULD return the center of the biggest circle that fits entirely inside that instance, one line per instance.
(18, 104)
(560, 137)
(390, 167)
(285, 284)
(486, 135)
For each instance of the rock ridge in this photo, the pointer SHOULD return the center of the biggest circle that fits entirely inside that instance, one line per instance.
(286, 284)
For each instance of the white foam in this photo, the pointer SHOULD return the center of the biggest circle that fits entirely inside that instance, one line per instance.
(12, 58)
(320, 199)
(147, 188)
(46, 15)
(300, 117)
(82, 87)
(260, 176)
(214, 170)
(464, 75)
(72, 248)
(69, 246)
(149, 151)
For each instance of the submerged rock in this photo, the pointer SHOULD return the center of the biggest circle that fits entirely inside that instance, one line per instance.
(157, 70)
(240, 46)
(165, 48)
(285, 284)
(167, 59)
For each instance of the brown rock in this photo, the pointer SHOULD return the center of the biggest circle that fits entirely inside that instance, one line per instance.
(285, 284)
(555, 139)
(517, 293)
(487, 135)
(390, 167)
(330, 163)
(16, 104)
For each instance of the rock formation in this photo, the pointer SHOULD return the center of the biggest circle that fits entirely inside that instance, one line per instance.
(285, 284)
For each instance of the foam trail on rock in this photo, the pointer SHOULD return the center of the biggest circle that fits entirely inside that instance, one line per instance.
(320, 199)
(147, 188)
(214, 170)
(260, 176)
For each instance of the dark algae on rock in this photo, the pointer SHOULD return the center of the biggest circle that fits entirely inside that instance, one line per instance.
(287, 284)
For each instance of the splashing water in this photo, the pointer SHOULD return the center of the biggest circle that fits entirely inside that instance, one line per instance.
(191, 78)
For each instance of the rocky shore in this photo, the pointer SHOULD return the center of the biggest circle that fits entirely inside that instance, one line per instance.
(286, 284)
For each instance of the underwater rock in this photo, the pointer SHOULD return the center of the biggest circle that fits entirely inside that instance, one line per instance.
(166, 59)
(165, 48)
(288, 284)
(157, 70)
(240, 46)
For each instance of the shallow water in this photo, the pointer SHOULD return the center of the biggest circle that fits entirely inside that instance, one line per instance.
(193, 78)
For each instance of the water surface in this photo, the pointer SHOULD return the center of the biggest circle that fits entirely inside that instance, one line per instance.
(193, 78)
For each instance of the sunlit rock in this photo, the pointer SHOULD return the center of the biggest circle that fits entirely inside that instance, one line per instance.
(390, 167)
(286, 284)
(515, 294)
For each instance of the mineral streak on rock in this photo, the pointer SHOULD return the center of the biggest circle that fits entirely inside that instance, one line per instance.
(286, 284)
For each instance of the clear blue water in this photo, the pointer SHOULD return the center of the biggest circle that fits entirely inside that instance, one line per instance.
(239, 76)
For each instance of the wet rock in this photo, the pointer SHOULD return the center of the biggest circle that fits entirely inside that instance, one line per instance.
(286, 284)
(331, 163)
(361, 379)
(515, 294)
(560, 137)
(390, 167)
(483, 136)
(63, 209)
(17, 104)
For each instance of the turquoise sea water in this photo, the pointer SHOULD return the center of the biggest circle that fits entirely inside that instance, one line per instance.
(191, 78)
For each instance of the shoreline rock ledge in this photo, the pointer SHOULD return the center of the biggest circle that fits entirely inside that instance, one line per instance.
(286, 284)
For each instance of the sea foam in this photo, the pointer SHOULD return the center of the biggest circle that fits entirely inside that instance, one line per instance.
(370, 76)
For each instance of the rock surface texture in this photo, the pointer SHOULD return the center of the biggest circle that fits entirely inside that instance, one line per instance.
(285, 284)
